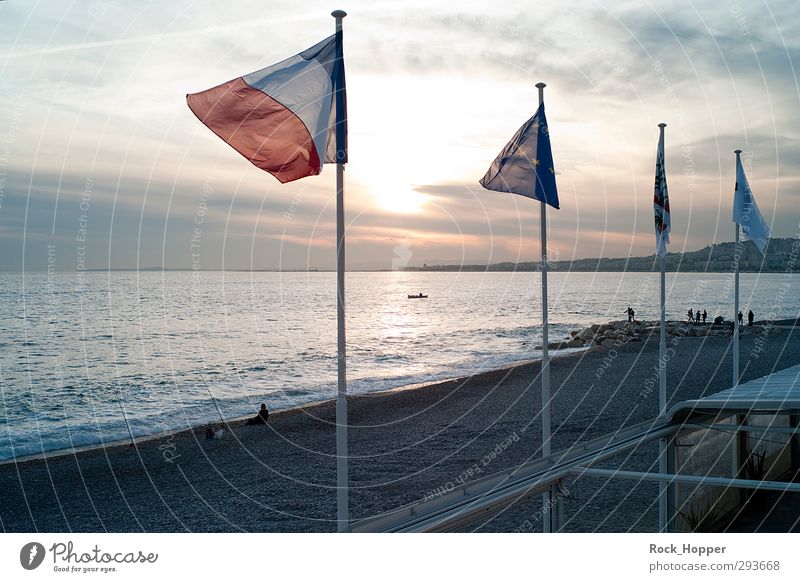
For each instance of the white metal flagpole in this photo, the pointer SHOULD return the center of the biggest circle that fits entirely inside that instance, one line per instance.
(736, 257)
(547, 498)
(662, 372)
(342, 479)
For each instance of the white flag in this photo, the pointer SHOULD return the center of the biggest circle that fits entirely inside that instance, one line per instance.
(746, 213)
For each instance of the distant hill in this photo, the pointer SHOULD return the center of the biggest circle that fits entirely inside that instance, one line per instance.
(782, 256)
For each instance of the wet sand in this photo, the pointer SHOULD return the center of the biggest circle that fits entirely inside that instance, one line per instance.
(403, 444)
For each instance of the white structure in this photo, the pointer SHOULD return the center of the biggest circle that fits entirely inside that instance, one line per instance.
(757, 419)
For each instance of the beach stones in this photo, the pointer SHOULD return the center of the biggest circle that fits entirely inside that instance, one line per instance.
(605, 335)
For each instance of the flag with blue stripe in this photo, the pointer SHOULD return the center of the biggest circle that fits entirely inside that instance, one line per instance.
(525, 166)
(663, 221)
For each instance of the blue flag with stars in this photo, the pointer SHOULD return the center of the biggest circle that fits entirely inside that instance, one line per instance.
(525, 166)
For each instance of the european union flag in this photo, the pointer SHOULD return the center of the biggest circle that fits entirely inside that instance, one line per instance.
(525, 166)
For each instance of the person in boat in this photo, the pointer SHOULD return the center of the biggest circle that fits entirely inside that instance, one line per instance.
(261, 417)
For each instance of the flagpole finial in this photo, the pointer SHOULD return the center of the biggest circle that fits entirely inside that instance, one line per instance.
(662, 125)
(541, 87)
(338, 14)
(737, 152)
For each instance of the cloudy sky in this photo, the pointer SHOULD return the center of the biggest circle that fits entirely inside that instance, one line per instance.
(102, 164)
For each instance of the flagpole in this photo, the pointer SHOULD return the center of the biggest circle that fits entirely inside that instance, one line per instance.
(342, 479)
(736, 293)
(547, 498)
(662, 369)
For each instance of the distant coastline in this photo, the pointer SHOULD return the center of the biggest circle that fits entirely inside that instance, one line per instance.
(782, 256)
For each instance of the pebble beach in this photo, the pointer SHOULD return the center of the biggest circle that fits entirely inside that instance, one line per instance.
(405, 444)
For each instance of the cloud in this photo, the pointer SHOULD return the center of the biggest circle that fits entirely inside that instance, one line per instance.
(95, 92)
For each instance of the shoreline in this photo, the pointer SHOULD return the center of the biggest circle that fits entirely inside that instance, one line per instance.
(280, 413)
(403, 443)
(580, 341)
(576, 343)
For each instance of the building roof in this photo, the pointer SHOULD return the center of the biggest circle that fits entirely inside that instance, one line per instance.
(778, 392)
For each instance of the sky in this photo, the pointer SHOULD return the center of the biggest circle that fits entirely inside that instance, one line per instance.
(102, 165)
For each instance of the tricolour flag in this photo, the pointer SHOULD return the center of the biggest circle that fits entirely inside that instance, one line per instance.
(746, 213)
(283, 118)
(525, 166)
(661, 202)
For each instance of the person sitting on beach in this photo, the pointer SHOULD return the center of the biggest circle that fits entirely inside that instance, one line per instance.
(704, 316)
(750, 317)
(719, 320)
(212, 434)
(690, 313)
(261, 418)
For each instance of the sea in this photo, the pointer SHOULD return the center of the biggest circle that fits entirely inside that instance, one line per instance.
(92, 358)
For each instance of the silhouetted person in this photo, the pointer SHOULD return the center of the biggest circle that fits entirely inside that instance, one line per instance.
(697, 317)
(704, 316)
(750, 317)
(633, 315)
(740, 317)
(261, 418)
(209, 432)
(719, 320)
(690, 313)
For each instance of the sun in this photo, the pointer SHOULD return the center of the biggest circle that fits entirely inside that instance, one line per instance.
(401, 200)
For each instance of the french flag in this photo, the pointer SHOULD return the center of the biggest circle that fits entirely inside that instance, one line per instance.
(287, 119)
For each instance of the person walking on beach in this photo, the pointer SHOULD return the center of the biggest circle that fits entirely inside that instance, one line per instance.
(261, 418)
(690, 313)
(704, 316)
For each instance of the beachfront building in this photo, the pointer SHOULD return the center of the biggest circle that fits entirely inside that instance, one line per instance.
(733, 460)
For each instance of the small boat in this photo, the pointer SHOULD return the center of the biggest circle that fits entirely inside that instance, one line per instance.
(420, 296)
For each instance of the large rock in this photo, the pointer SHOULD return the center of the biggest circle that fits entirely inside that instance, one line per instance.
(575, 343)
